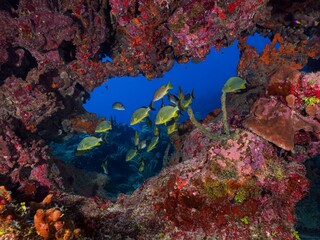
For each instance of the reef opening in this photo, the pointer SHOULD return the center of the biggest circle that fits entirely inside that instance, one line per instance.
(107, 161)
(258, 41)
(313, 65)
(67, 51)
(20, 62)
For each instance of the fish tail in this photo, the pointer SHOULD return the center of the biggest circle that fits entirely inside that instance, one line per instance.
(169, 85)
(192, 94)
(151, 106)
(104, 138)
(180, 107)
(180, 93)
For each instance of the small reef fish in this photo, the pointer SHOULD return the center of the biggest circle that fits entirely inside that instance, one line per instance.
(88, 143)
(153, 143)
(118, 106)
(136, 139)
(104, 166)
(173, 99)
(166, 113)
(103, 126)
(234, 84)
(142, 145)
(141, 168)
(185, 100)
(161, 91)
(131, 154)
(180, 93)
(156, 131)
(139, 114)
(172, 127)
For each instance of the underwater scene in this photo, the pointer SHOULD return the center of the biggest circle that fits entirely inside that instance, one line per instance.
(160, 120)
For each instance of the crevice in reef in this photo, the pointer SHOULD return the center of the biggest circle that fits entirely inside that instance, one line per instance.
(313, 65)
(280, 6)
(9, 6)
(19, 63)
(67, 51)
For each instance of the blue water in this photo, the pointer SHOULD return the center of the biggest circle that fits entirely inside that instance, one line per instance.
(259, 42)
(206, 78)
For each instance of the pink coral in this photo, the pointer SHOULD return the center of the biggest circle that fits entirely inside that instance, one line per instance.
(19, 156)
(278, 123)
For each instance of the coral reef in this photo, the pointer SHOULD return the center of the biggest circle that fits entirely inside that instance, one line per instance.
(210, 194)
(241, 188)
(278, 123)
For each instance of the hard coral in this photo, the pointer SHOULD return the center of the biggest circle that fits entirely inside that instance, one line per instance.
(285, 52)
(278, 123)
(86, 122)
(237, 172)
(282, 81)
(24, 162)
(188, 32)
(307, 89)
(31, 105)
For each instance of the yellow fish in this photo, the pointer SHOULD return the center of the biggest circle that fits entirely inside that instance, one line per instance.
(161, 92)
(136, 138)
(131, 154)
(185, 100)
(172, 127)
(141, 168)
(139, 114)
(153, 144)
(156, 130)
(234, 84)
(166, 113)
(88, 143)
(103, 126)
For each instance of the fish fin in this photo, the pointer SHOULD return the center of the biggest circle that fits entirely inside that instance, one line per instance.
(180, 93)
(180, 106)
(104, 138)
(192, 94)
(151, 106)
(169, 85)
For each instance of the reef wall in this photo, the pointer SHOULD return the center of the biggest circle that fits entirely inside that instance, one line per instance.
(50, 54)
